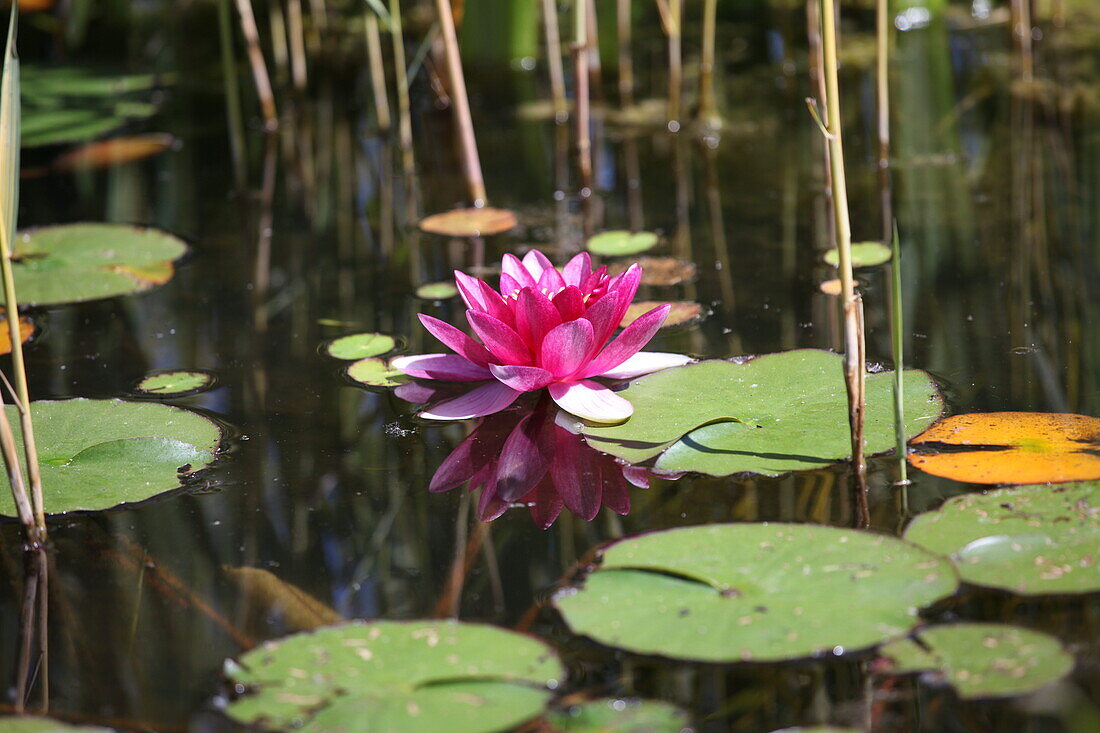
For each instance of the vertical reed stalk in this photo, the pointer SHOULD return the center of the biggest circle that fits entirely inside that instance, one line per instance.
(580, 90)
(9, 209)
(1021, 30)
(553, 59)
(897, 342)
(259, 66)
(626, 60)
(377, 71)
(882, 78)
(675, 62)
(595, 71)
(471, 162)
(279, 51)
(404, 108)
(853, 334)
(295, 28)
(233, 113)
(707, 112)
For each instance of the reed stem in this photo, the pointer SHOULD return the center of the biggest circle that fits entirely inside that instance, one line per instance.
(259, 66)
(882, 78)
(553, 60)
(580, 90)
(404, 107)
(471, 162)
(295, 28)
(675, 62)
(233, 113)
(377, 71)
(626, 60)
(853, 335)
(707, 111)
(897, 342)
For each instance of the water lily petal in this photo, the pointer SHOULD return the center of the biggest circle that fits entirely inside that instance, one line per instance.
(577, 270)
(456, 340)
(505, 344)
(470, 290)
(569, 303)
(535, 262)
(546, 504)
(468, 459)
(525, 457)
(576, 474)
(513, 268)
(448, 367)
(636, 475)
(509, 286)
(628, 343)
(535, 317)
(419, 393)
(551, 282)
(616, 491)
(645, 362)
(483, 400)
(602, 314)
(591, 401)
(495, 305)
(567, 348)
(522, 378)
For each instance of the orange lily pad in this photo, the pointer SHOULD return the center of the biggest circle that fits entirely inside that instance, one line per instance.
(1011, 448)
(660, 270)
(473, 222)
(682, 312)
(830, 287)
(115, 151)
(26, 330)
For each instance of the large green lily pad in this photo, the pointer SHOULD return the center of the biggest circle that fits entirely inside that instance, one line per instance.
(769, 415)
(983, 660)
(97, 454)
(1031, 540)
(360, 346)
(396, 676)
(71, 263)
(615, 715)
(764, 592)
(36, 724)
(620, 243)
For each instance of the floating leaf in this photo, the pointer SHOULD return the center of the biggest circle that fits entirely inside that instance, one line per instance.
(681, 313)
(360, 346)
(769, 415)
(1030, 540)
(35, 724)
(396, 676)
(116, 151)
(375, 372)
(26, 330)
(620, 243)
(1011, 448)
(482, 222)
(97, 454)
(175, 384)
(831, 287)
(660, 270)
(437, 291)
(983, 660)
(764, 592)
(263, 590)
(615, 715)
(864, 254)
(71, 263)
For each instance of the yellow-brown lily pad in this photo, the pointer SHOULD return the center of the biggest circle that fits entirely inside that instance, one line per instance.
(472, 222)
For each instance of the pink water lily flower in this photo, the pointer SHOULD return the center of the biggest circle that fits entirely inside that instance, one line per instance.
(544, 329)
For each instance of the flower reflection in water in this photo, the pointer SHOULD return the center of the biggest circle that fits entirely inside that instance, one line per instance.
(531, 457)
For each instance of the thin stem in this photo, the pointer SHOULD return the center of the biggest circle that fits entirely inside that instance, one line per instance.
(707, 111)
(626, 61)
(853, 341)
(377, 70)
(580, 90)
(553, 59)
(259, 66)
(404, 108)
(882, 77)
(12, 465)
(897, 341)
(232, 93)
(675, 62)
(295, 29)
(471, 163)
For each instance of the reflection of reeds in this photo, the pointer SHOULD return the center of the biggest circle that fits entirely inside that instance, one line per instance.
(708, 114)
(259, 66)
(233, 113)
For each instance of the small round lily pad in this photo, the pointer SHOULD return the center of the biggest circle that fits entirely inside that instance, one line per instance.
(1030, 540)
(471, 222)
(618, 715)
(680, 313)
(982, 660)
(831, 287)
(360, 346)
(864, 254)
(375, 372)
(437, 291)
(760, 592)
(396, 676)
(621, 243)
(72, 263)
(175, 384)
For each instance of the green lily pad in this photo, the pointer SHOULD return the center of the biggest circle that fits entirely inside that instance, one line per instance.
(175, 384)
(983, 660)
(72, 263)
(35, 724)
(360, 346)
(437, 291)
(396, 676)
(769, 415)
(98, 454)
(620, 243)
(1031, 540)
(375, 372)
(615, 715)
(864, 254)
(762, 592)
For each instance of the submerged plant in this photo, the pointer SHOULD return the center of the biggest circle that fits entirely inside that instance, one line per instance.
(545, 328)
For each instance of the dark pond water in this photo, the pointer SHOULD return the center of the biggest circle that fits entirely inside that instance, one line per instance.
(324, 485)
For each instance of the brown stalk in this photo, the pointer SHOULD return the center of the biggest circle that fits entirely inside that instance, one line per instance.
(675, 62)
(404, 108)
(377, 70)
(259, 66)
(553, 59)
(580, 91)
(471, 163)
(707, 111)
(295, 28)
(882, 78)
(626, 61)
